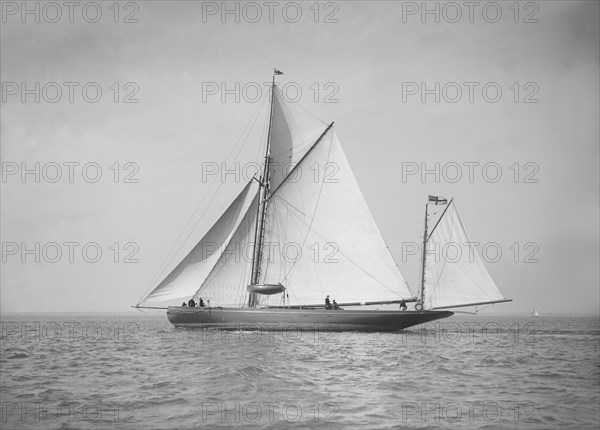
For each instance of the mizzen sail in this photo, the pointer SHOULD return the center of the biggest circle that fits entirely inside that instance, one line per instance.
(455, 274)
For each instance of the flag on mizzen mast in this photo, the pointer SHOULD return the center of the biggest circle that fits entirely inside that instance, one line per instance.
(319, 235)
(454, 272)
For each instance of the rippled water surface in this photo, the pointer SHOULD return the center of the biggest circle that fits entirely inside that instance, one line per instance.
(139, 372)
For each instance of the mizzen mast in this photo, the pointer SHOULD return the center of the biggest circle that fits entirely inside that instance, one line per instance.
(421, 301)
(426, 235)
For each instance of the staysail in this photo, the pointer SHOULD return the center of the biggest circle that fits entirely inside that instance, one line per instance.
(226, 284)
(303, 231)
(455, 274)
(193, 270)
(319, 236)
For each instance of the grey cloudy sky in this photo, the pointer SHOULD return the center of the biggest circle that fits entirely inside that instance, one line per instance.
(544, 215)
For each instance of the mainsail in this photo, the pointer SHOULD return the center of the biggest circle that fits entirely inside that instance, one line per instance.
(318, 236)
(321, 238)
(454, 272)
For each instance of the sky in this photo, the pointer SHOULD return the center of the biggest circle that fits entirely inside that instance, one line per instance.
(132, 105)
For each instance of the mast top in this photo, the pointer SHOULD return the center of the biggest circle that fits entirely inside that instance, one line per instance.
(276, 72)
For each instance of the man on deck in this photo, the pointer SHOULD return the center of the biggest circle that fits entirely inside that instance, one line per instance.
(327, 302)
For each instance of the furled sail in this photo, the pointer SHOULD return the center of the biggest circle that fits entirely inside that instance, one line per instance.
(320, 237)
(454, 272)
(193, 270)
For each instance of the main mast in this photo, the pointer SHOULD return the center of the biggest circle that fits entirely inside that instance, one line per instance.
(259, 231)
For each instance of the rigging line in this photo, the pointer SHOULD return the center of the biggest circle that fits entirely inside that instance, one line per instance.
(442, 216)
(309, 113)
(427, 236)
(313, 214)
(395, 266)
(314, 268)
(181, 234)
(394, 261)
(437, 283)
(421, 240)
(248, 133)
(215, 271)
(227, 243)
(475, 254)
(163, 267)
(466, 274)
(263, 139)
(341, 253)
(247, 129)
(300, 146)
(279, 230)
(243, 292)
(324, 238)
(279, 226)
(302, 160)
(285, 109)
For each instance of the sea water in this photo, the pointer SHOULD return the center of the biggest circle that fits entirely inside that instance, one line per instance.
(139, 372)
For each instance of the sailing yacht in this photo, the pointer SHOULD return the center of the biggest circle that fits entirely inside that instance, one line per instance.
(290, 238)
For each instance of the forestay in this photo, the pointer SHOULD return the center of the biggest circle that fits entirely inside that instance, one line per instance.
(192, 271)
(227, 282)
(319, 236)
